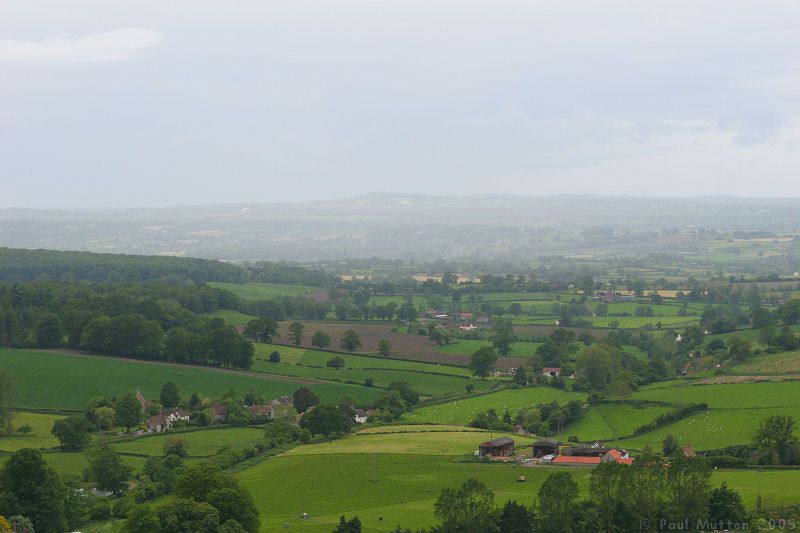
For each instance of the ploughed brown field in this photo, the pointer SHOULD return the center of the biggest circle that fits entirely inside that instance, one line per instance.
(404, 346)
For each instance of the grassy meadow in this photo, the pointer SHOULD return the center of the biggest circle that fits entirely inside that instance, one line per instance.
(264, 291)
(39, 437)
(461, 412)
(52, 380)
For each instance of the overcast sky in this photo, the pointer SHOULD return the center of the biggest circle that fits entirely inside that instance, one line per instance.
(129, 103)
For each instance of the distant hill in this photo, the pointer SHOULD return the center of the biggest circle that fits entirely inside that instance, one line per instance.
(18, 265)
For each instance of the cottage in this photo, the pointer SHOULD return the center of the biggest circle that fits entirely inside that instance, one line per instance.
(361, 415)
(177, 415)
(546, 447)
(262, 411)
(218, 413)
(158, 423)
(470, 327)
(499, 447)
(617, 456)
(551, 372)
(280, 400)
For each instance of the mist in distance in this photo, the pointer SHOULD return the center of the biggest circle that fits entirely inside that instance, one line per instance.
(147, 104)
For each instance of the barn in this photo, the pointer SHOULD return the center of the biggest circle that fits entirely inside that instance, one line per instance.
(499, 447)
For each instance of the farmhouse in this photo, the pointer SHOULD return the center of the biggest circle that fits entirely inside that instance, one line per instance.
(546, 447)
(499, 447)
(551, 372)
(265, 411)
(361, 415)
(617, 456)
(158, 423)
(176, 415)
(218, 413)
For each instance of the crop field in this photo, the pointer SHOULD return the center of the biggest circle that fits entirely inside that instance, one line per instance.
(660, 310)
(461, 412)
(52, 380)
(201, 443)
(265, 291)
(39, 437)
(609, 422)
(404, 345)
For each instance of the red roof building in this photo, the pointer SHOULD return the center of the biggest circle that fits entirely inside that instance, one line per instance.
(576, 460)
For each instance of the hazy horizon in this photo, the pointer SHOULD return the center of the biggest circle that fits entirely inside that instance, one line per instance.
(201, 103)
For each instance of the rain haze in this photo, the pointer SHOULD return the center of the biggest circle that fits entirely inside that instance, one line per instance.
(120, 104)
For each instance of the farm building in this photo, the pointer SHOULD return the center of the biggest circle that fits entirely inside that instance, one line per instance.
(158, 423)
(611, 456)
(545, 447)
(265, 411)
(585, 451)
(500, 447)
(551, 372)
(568, 460)
(617, 456)
(361, 415)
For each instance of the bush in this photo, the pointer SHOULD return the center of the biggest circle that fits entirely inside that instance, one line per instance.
(727, 461)
(100, 511)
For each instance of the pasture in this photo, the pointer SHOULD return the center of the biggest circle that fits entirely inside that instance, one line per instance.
(611, 421)
(265, 291)
(389, 489)
(461, 412)
(39, 437)
(735, 411)
(53, 380)
(400, 489)
(429, 379)
(410, 443)
(200, 443)
(231, 317)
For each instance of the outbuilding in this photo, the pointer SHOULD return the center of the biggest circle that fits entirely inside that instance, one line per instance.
(546, 447)
(499, 447)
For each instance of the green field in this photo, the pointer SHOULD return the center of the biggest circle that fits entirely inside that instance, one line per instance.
(40, 437)
(735, 411)
(51, 380)
(401, 489)
(74, 463)
(413, 442)
(232, 318)
(430, 379)
(461, 412)
(779, 363)
(468, 347)
(202, 443)
(264, 291)
(609, 422)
